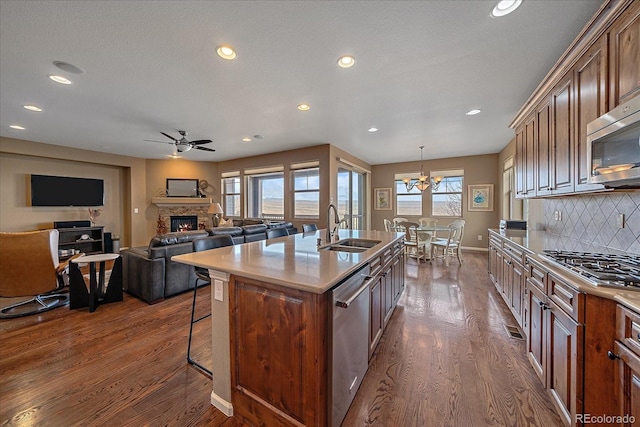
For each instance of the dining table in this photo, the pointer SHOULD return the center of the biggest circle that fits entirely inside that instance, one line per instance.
(425, 229)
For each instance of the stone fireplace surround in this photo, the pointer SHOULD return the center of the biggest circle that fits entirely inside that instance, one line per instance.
(182, 206)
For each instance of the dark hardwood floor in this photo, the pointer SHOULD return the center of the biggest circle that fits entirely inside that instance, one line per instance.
(444, 360)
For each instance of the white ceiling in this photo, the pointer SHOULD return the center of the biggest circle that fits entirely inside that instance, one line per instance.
(151, 66)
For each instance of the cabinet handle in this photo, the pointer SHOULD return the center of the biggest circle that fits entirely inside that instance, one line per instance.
(611, 355)
(544, 306)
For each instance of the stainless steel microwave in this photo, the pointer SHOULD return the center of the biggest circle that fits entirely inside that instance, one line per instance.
(613, 146)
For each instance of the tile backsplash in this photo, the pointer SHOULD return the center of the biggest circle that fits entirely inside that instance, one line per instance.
(591, 223)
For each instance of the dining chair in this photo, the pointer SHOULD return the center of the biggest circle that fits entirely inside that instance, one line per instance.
(397, 220)
(412, 241)
(307, 228)
(272, 233)
(202, 274)
(451, 245)
(387, 224)
(428, 222)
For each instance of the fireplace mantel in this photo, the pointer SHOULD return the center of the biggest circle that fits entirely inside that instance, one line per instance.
(168, 202)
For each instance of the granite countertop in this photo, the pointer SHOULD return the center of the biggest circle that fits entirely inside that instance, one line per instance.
(292, 261)
(534, 242)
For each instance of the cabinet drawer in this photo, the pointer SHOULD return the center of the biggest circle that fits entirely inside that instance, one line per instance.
(376, 265)
(628, 328)
(536, 275)
(495, 240)
(516, 252)
(569, 299)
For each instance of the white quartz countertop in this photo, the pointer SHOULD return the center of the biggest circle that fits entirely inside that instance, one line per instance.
(292, 261)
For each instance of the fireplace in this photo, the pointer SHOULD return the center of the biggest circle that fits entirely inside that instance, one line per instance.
(184, 222)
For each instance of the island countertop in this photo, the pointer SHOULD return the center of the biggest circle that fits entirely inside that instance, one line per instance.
(292, 261)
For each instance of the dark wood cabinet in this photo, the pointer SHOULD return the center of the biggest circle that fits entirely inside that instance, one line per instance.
(536, 332)
(590, 99)
(507, 274)
(624, 56)
(564, 349)
(626, 351)
(544, 149)
(600, 72)
(88, 240)
(376, 314)
(561, 166)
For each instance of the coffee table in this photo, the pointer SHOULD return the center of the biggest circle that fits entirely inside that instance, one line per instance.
(97, 293)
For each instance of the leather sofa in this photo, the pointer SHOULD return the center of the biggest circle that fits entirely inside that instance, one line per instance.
(149, 273)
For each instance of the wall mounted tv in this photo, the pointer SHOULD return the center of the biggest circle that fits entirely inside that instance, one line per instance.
(49, 190)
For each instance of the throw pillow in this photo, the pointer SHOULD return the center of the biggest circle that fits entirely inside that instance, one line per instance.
(225, 222)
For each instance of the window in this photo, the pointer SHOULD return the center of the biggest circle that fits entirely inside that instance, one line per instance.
(231, 195)
(306, 193)
(265, 193)
(446, 199)
(408, 203)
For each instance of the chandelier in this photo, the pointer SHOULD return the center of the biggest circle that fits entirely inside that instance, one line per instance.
(423, 182)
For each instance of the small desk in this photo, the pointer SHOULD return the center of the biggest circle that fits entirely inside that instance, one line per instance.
(98, 293)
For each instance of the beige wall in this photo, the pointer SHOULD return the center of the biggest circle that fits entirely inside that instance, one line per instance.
(477, 170)
(19, 158)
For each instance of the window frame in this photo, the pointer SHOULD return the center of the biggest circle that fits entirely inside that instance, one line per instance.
(237, 196)
(448, 174)
(413, 192)
(295, 192)
(257, 178)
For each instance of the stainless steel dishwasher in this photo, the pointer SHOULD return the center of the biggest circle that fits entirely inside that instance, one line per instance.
(350, 341)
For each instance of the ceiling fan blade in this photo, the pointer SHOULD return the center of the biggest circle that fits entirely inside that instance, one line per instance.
(204, 148)
(169, 136)
(201, 141)
(161, 142)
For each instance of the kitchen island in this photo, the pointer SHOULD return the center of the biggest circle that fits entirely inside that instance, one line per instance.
(271, 317)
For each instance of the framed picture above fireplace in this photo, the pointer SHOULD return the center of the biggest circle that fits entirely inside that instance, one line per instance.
(177, 187)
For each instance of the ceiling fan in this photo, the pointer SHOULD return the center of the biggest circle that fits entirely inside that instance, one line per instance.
(183, 144)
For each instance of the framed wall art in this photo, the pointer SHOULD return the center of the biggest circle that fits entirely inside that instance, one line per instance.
(480, 197)
(382, 198)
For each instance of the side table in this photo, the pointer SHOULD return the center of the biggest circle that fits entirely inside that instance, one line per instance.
(98, 292)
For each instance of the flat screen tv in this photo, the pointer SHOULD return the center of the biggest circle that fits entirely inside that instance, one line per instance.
(47, 190)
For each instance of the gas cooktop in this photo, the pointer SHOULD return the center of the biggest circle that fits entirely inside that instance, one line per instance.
(617, 271)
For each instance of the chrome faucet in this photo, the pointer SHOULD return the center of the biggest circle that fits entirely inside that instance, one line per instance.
(336, 219)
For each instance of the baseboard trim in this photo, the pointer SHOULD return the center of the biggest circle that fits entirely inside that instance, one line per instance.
(474, 249)
(221, 404)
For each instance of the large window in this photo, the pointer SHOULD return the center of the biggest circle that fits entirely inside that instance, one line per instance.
(231, 195)
(265, 194)
(306, 193)
(408, 203)
(446, 198)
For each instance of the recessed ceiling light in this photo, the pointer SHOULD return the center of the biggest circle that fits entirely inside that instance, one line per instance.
(346, 61)
(246, 139)
(69, 68)
(32, 108)
(16, 127)
(304, 107)
(60, 79)
(505, 7)
(226, 52)
(373, 129)
(473, 112)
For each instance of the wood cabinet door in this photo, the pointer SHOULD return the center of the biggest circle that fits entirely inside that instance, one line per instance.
(564, 350)
(397, 276)
(506, 277)
(530, 150)
(493, 263)
(388, 294)
(536, 331)
(517, 291)
(628, 382)
(624, 50)
(520, 162)
(543, 152)
(376, 319)
(590, 76)
(562, 137)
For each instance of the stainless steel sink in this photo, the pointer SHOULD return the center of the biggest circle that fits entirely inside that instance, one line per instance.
(338, 248)
(350, 245)
(358, 243)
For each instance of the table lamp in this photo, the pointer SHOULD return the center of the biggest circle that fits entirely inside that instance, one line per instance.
(216, 210)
